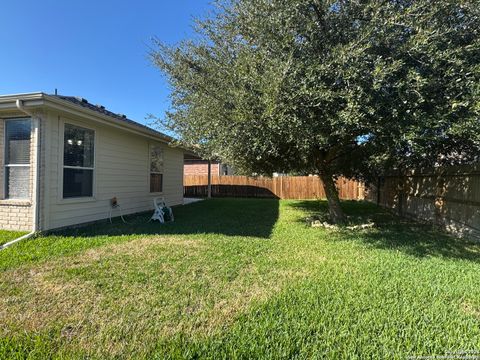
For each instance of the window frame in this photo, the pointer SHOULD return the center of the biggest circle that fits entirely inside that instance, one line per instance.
(150, 172)
(62, 166)
(7, 166)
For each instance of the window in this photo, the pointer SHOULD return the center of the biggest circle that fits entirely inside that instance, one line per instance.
(17, 158)
(156, 169)
(78, 161)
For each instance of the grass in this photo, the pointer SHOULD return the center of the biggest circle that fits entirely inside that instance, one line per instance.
(6, 236)
(241, 278)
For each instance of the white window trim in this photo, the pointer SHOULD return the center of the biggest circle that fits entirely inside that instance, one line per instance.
(61, 166)
(6, 166)
(150, 147)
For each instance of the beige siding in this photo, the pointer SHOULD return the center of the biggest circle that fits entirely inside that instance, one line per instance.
(2, 158)
(121, 170)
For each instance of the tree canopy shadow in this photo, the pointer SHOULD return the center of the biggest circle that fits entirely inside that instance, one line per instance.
(392, 232)
(447, 196)
(232, 217)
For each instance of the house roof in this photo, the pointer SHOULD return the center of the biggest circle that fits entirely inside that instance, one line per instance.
(102, 110)
(32, 100)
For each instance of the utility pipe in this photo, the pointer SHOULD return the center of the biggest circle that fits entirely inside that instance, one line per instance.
(36, 178)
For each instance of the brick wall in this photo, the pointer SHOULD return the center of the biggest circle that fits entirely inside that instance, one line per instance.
(200, 168)
(16, 214)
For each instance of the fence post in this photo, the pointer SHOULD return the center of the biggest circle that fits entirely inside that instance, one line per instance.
(209, 183)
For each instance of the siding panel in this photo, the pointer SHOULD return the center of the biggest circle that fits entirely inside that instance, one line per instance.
(121, 170)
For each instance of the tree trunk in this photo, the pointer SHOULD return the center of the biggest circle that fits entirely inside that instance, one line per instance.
(336, 213)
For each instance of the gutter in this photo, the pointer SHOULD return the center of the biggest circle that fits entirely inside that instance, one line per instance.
(36, 178)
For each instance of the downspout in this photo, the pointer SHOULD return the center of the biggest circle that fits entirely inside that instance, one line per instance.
(36, 179)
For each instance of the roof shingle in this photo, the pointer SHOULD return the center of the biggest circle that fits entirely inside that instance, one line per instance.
(101, 109)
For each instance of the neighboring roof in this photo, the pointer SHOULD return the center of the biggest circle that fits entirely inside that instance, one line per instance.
(191, 160)
(83, 104)
(192, 156)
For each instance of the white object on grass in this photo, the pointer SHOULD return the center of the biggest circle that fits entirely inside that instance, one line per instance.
(159, 214)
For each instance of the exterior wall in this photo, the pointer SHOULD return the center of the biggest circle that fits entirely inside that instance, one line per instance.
(122, 170)
(17, 214)
(2, 158)
(200, 168)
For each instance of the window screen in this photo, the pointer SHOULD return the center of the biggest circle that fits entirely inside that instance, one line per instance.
(156, 183)
(156, 169)
(17, 158)
(18, 182)
(78, 161)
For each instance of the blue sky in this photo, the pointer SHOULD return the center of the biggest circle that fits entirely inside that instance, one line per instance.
(94, 49)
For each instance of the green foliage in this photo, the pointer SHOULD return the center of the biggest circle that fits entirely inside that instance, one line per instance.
(6, 236)
(226, 281)
(333, 87)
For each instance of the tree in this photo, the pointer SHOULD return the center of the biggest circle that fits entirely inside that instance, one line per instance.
(329, 87)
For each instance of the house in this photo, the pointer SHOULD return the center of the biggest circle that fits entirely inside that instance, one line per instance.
(194, 165)
(63, 159)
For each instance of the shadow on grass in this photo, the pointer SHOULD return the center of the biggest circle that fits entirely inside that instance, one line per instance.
(396, 233)
(233, 191)
(233, 217)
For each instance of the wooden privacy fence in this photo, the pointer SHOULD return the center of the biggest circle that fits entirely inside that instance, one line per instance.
(448, 197)
(282, 187)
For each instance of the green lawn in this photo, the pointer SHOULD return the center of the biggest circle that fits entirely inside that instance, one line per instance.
(241, 278)
(6, 236)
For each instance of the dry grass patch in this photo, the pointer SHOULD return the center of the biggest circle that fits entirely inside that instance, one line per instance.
(471, 309)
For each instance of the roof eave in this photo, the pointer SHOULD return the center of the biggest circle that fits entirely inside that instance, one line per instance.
(39, 99)
(59, 104)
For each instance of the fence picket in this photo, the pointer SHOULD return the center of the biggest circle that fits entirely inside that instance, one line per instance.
(282, 187)
(448, 197)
